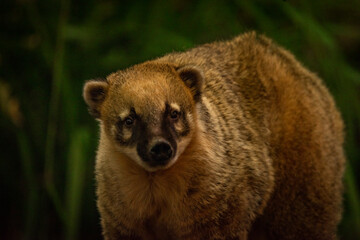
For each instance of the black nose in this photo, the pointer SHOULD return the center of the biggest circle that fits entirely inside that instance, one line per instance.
(161, 152)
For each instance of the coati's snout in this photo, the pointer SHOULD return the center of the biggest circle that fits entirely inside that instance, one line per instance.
(160, 152)
(148, 111)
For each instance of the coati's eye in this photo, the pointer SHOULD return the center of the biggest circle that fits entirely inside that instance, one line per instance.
(129, 121)
(174, 115)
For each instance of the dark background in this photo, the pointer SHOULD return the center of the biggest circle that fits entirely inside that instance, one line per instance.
(49, 48)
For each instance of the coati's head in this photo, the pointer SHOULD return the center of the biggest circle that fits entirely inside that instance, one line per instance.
(147, 111)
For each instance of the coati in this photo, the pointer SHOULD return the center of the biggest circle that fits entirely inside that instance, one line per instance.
(228, 140)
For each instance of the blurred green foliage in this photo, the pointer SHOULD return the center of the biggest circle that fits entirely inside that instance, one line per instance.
(48, 48)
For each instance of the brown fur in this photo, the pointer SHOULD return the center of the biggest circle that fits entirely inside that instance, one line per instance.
(265, 158)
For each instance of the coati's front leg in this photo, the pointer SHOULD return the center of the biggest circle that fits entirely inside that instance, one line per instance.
(115, 228)
(112, 233)
(232, 223)
(213, 231)
(115, 231)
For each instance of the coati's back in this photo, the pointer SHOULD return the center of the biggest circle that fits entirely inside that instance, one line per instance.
(259, 93)
(246, 140)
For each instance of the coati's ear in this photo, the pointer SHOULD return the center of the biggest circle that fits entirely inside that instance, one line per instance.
(193, 79)
(94, 94)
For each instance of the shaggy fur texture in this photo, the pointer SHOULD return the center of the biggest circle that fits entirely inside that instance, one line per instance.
(258, 146)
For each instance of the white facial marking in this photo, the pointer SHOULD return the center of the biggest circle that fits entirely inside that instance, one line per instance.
(124, 114)
(181, 147)
(175, 106)
(179, 126)
(132, 153)
(127, 133)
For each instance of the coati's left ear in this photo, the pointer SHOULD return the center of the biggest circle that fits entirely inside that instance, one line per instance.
(94, 94)
(193, 79)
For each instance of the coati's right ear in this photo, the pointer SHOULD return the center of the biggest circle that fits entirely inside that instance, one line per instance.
(94, 94)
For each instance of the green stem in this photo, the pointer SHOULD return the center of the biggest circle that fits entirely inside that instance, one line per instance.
(32, 185)
(54, 110)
